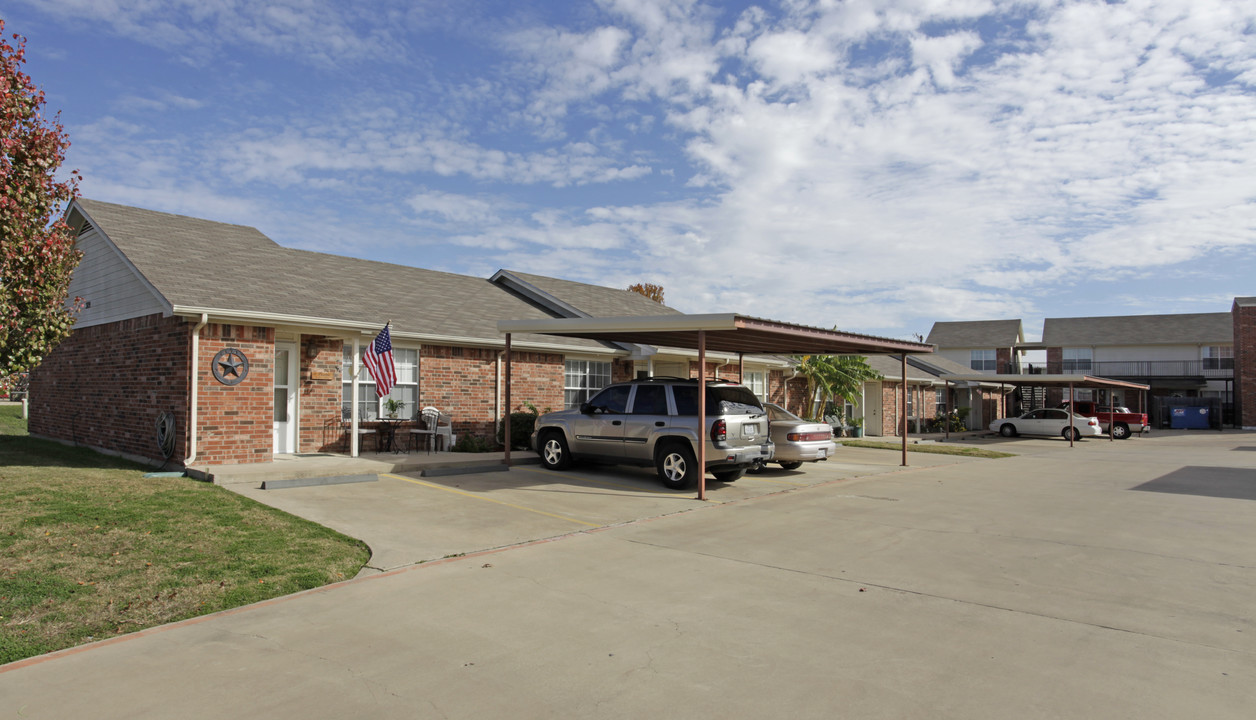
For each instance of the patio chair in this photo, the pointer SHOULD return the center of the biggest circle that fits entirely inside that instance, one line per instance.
(425, 430)
(346, 422)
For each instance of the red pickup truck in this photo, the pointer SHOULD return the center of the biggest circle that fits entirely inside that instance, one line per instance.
(1121, 420)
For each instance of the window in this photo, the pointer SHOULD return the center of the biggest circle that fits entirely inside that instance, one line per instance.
(911, 394)
(754, 381)
(650, 400)
(582, 379)
(1077, 360)
(1082, 394)
(1218, 357)
(984, 361)
(613, 400)
(370, 405)
(939, 402)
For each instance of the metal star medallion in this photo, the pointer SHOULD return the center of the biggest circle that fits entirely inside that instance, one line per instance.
(230, 366)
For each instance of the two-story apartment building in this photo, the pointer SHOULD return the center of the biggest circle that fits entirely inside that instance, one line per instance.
(986, 346)
(1189, 355)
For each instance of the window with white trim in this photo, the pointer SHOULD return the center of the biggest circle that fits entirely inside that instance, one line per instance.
(370, 405)
(939, 401)
(1218, 357)
(582, 379)
(1082, 394)
(1077, 360)
(984, 360)
(754, 379)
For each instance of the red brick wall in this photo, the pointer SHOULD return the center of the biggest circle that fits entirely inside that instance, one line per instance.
(236, 421)
(462, 383)
(1003, 358)
(778, 389)
(320, 399)
(104, 386)
(1245, 364)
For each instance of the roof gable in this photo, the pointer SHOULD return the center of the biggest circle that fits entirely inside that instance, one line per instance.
(977, 334)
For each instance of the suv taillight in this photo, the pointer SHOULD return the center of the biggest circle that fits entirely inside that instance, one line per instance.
(719, 431)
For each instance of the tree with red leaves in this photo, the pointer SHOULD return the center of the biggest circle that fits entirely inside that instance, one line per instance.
(37, 252)
(650, 290)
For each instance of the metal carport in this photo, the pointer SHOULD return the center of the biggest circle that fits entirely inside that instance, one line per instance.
(720, 332)
(1062, 381)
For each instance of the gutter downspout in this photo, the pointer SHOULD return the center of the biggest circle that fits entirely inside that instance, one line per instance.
(193, 415)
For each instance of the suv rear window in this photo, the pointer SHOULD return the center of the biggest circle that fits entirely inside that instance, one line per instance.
(720, 400)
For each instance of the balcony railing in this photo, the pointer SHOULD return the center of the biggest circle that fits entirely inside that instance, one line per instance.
(1217, 370)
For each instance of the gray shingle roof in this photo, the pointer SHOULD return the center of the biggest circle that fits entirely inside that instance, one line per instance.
(976, 334)
(1184, 329)
(891, 366)
(198, 263)
(594, 300)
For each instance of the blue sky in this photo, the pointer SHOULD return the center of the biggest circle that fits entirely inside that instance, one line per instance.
(870, 165)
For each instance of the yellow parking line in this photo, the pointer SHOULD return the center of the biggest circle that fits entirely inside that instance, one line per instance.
(481, 497)
(598, 482)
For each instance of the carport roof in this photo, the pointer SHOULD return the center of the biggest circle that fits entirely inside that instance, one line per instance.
(724, 332)
(1080, 381)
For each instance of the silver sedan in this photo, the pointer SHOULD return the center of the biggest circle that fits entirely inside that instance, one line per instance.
(798, 441)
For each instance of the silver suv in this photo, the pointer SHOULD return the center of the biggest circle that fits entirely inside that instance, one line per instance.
(655, 422)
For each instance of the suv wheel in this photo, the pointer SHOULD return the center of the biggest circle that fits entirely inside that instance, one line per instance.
(677, 467)
(554, 452)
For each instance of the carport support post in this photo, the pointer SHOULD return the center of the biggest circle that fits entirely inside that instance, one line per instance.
(946, 422)
(702, 414)
(1111, 420)
(506, 420)
(1072, 403)
(903, 410)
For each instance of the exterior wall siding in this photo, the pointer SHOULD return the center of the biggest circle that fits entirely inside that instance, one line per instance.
(108, 283)
(104, 386)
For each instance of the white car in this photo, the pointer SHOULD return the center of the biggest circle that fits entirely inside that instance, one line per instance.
(1048, 421)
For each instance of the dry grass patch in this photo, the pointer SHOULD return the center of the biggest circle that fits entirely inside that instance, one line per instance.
(90, 548)
(933, 449)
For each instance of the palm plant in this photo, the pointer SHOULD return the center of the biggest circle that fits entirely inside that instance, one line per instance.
(831, 378)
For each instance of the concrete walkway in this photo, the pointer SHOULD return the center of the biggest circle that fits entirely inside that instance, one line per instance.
(314, 465)
(1109, 580)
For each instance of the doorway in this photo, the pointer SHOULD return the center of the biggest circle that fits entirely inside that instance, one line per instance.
(286, 374)
(874, 423)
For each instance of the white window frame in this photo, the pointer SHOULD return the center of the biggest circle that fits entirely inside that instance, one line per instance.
(1077, 359)
(1215, 357)
(757, 381)
(406, 391)
(583, 378)
(984, 360)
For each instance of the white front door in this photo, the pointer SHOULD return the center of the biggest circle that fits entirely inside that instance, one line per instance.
(873, 422)
(286, 376)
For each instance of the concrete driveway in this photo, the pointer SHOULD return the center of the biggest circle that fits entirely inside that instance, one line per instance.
(1109, 580)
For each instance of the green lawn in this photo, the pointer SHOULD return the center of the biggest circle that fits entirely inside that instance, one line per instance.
(90, 548)
(935, 449)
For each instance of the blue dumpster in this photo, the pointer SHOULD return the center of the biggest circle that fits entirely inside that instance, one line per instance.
(1189, 418)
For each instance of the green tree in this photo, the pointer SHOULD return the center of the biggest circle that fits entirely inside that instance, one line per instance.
(831, 378)
(37, 253)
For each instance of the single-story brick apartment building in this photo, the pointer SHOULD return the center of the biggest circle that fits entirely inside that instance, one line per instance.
(168, 299)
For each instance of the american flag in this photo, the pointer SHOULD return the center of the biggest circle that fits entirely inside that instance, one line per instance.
(379, 362)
